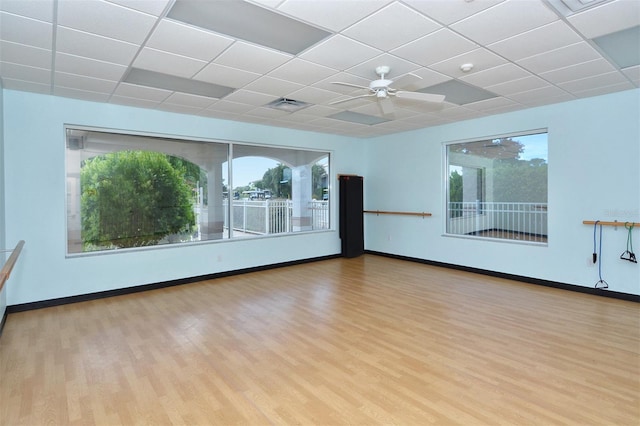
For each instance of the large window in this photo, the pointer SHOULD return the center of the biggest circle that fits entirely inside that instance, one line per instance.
(497, 188)
(126, 191)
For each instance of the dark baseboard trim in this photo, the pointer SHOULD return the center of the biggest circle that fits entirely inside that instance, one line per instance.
(146, 287)
(154, 286)
(520, 278)
(4, 320)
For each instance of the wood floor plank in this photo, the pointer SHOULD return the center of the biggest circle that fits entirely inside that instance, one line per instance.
(361, 341)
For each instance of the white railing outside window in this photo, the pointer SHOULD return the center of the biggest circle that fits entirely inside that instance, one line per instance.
(272, 216)
(518, 221)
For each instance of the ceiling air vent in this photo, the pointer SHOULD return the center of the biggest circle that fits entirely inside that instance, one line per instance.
(288, 105)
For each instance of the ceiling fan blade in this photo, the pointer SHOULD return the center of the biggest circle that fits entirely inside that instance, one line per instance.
(339, 101)
(405, 80)
(386, 106)
(419, 96)
(357, 86)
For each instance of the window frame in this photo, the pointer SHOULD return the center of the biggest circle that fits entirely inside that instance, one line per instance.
(230, 144)
(446, 187)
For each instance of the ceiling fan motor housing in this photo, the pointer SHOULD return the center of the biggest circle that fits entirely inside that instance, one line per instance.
(380, 87)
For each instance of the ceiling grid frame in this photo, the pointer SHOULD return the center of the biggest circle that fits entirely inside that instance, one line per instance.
(520, 88)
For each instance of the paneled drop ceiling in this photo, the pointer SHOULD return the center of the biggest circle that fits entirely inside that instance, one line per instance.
(232, 59)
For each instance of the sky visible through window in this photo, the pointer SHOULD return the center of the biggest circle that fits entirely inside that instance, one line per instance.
(535, 146)
(250, 169)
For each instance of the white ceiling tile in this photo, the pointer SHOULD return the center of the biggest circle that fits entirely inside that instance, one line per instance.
(603, 90)
(225, 76)
(268, 3)
(298, 117)
(265, 112)
(505, 20)
(321, 110)
(331, 14)
(429, 107)
(382, 29)
(133, 102)
(25, 55)
(142, 92)
(560, 58)
(185, 40)
(447, 11)
(22, 72)
(231, 107)
(350, 102)
(496, 75)
(78, 65)
(221, 115)
(351, 53)
(607, 18)
(429, 78)
(179, 109)
(398, 67)
(40, 9)
(168, 63)
(67, 92)
(370, 107)
(458, 113)
(95, 47)
(492, 104)
(401, 110)
(74, 81)
(633, 73)
(303, 72)
(252, 58)
(250, 98)
(525, 32)
(31, 32)
(189, 100)
(25, 86)
(482, 59)
(540, 96)
(313, 95)
(273, 86)
(589, 83)
(343, 77)
(435, 47)
(517, 86)
(152, 7)
(578, 71)
(543, 39)
(88, 15)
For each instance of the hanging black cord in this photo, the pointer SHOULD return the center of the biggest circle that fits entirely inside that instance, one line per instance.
(595, 254)
(629, 254)
(601, 283)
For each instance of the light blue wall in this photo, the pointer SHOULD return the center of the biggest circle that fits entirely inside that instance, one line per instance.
(3, 241)
(594, 159)
(35, 199)
(594, 153)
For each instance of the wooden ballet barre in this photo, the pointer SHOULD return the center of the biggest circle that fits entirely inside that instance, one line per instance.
(5, 272)
(593, 222)
(398, 213)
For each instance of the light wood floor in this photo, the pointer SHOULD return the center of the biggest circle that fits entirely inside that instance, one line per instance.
(365, 341)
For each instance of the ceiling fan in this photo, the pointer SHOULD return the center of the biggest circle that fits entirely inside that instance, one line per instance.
(381, 90)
